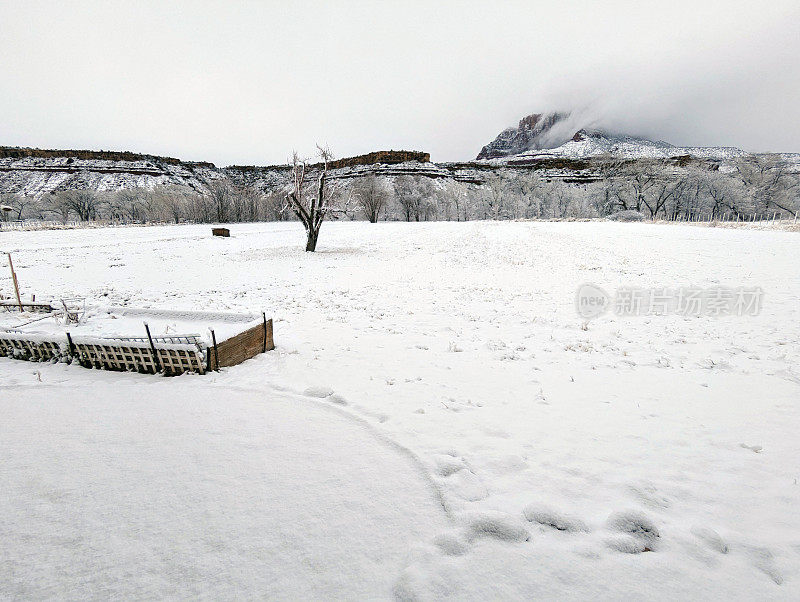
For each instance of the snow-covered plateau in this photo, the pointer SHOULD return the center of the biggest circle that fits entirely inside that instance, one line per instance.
(595, 144)
(436, 422)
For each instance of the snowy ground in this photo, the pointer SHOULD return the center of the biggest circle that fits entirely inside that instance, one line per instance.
(436, 422)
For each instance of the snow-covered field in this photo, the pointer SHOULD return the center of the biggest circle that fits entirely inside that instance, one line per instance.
(436, 421)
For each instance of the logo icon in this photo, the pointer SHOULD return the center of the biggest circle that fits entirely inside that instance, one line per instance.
(591, 301)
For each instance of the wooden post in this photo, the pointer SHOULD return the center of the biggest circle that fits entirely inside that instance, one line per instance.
(216, 354)
(14, 280)
(71, 346)
(264, 317)
(270, 339)
(156, 359)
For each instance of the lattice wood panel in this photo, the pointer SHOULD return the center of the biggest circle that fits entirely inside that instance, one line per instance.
(29, 350)
(123, 357)
(169, 354)
(133, 358)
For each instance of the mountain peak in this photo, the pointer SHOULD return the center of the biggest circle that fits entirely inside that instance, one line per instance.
(557, 135)
(534, 132)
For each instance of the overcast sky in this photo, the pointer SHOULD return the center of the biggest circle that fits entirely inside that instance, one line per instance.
(248, 82)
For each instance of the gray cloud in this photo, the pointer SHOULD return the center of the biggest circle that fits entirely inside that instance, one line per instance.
(248, 82)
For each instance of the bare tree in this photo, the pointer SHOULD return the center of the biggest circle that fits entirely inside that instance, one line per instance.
(84, 203)
(220, 195)
(725, 194)
(371, 196)
(459, 196)
(273, 207)
(655, 197)
(58, 203)
(21, 204)
(769, 181)
(496, 191)
(560, 197)
(170, 203)
(311, 207)
(637, 179)
(246, 205)
(128, 205)
(413, 194)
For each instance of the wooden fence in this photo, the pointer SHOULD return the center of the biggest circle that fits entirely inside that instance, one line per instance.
(168, 355)
(243, 346)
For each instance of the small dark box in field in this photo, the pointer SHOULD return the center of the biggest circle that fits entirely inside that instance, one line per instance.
(221, 232)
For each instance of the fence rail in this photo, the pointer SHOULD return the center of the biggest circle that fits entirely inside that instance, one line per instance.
(176, 339)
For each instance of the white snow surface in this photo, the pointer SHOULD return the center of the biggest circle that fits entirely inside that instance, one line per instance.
(97, 323)
(435, 423)
(159, 490)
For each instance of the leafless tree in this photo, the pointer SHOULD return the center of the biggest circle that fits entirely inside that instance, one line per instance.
(274, 208)
(171, 203)
(725, 194)
(128, 205)
(58, 203)
(655, 197)
(413, 194)
(769, 182)
(496, 192)
(220, 196)
(370, 194)
(83, 203)
(246, 203)
(635, 179)
(20, 204)
(311, 206)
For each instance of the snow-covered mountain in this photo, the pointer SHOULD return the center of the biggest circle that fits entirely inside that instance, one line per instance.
(534, 132)
(544, 136)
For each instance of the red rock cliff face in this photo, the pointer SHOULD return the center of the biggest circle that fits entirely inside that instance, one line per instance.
(532, 133)
(390, 157)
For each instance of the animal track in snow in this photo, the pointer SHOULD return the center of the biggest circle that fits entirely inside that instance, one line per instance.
(627, 544)
(536, 513)
(711, 539)
(763, 560)
(326, 393)
(640, 533)
(447, 465)
(754, 448)
(318, 391)
(450, 544)
(496, 525)
(337, 399)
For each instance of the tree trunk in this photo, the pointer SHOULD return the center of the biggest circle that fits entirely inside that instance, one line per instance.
(311, 243)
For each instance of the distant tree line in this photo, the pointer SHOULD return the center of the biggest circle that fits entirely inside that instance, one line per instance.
(762, 185)
(221, 202)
